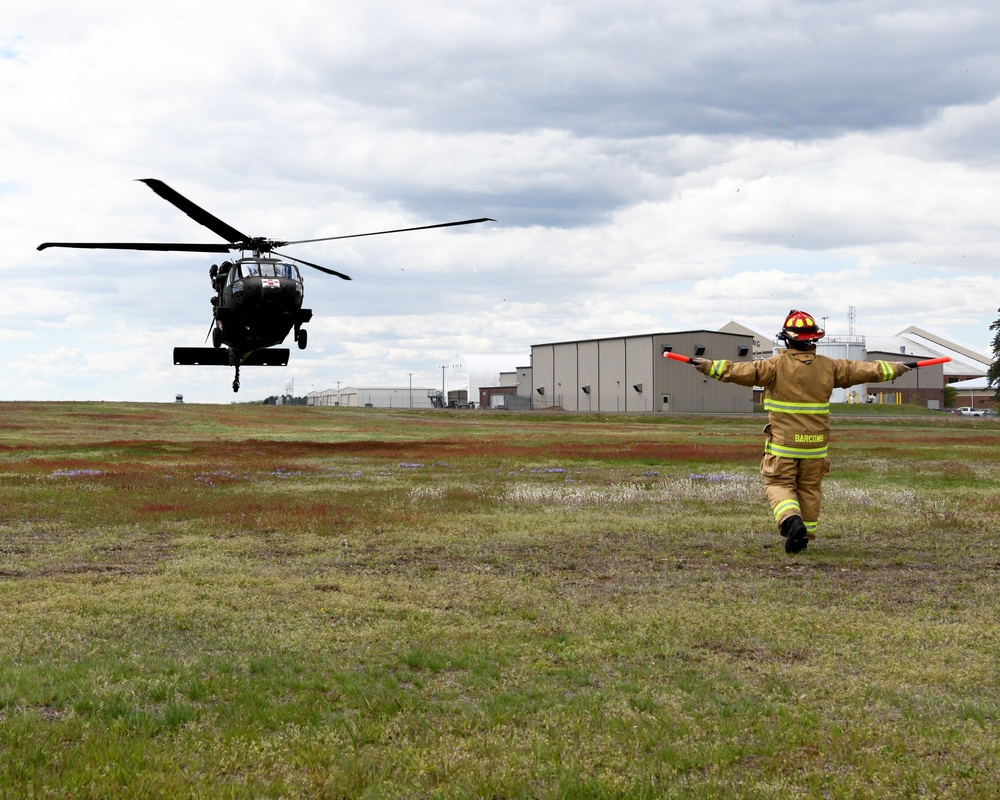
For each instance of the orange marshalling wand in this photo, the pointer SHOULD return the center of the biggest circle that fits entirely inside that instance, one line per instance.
(927, 362)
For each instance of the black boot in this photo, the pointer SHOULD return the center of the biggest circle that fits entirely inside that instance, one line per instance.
(794, 531)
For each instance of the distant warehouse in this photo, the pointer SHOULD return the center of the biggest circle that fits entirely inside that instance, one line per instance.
(630, 374)
(373, 397)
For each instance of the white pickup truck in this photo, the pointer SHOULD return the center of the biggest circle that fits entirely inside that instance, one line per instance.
(965, 411)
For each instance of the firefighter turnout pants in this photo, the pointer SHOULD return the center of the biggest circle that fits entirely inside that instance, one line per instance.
(794, 487)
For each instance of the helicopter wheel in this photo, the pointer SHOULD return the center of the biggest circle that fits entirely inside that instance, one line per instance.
(301, 337)
(236, 381)
(217, 337)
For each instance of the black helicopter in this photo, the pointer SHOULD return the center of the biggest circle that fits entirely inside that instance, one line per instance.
(258, 297)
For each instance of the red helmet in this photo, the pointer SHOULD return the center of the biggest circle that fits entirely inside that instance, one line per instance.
(801, 327)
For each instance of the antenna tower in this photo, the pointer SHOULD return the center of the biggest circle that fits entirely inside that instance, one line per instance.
(851, 319)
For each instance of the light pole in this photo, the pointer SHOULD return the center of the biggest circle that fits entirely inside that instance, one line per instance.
(411, 388)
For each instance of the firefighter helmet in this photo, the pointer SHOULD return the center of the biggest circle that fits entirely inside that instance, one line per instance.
(801, 327)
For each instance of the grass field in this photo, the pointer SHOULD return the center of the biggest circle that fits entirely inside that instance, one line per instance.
(251, 601)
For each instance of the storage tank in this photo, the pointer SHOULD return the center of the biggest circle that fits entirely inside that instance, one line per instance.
(467, 373)
(853, 349)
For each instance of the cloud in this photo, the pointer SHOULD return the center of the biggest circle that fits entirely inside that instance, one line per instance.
(652, 166)
(646, 68)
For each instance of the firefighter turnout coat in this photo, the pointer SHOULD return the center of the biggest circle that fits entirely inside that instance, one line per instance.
(797, 388)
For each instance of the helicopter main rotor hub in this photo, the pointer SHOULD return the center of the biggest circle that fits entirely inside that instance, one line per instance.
(259, 246)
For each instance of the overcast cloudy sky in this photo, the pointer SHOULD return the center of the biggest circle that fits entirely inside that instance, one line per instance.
(652, 165)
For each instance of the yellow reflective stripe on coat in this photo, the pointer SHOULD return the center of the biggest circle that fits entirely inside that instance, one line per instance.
(886, 369)
(785, 451)
(788, 407)
(718, 367)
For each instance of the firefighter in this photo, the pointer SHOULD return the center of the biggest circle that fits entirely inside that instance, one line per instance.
(797, 386)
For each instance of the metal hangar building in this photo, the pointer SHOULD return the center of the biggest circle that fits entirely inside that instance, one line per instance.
(630, 374)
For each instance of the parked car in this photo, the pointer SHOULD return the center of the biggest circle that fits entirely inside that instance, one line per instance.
(966, 411)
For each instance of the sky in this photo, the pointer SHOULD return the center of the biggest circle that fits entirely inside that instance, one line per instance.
(651, 166)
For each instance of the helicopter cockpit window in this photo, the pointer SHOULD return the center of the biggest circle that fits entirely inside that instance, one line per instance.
(255, 269)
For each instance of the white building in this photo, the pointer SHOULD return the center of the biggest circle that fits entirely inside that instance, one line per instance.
(373, 397)
(974, 393)
(466, 373)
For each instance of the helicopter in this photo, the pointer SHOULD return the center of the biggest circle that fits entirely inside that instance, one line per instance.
(258, 296)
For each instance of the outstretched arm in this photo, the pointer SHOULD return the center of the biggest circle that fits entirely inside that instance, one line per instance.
(745, 373)
(850, 372)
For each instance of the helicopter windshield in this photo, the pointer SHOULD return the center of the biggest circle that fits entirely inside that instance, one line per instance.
(253, 269)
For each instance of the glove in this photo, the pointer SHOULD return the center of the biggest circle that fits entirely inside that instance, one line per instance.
(703, 365)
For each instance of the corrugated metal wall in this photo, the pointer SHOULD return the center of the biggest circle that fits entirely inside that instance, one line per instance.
(630, 374)
(565, 375)
(588, 389)
(611, 361)
(680, 387)
(639, 358)
(543, 375)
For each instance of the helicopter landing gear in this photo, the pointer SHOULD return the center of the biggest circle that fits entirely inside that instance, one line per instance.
(301, 337)
(217, 337)
(236, 382)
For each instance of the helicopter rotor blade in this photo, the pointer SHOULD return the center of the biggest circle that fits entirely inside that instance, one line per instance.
(397, 230)
(159, 246)
(196, 212)
(327, 270)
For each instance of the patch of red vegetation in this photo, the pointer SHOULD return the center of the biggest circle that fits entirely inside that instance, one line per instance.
(53, 464)
(843, 432)
(263, 454)
(130, 418)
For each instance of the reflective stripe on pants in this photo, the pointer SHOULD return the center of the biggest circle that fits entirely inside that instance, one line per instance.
(794, 487)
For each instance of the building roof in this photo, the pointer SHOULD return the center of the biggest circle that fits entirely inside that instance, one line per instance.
(914, 345)
(946, 347)
(900, 345)
(356, 389)
(637, 336)
(761, 342)
(978, 384)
